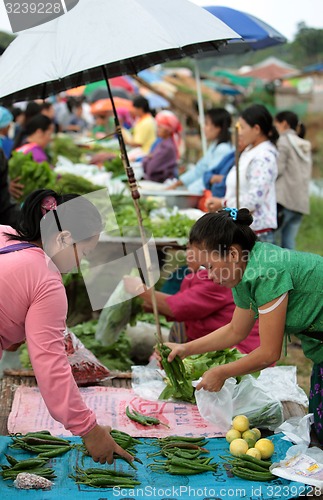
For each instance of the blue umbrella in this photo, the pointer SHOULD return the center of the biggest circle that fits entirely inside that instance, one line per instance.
(256, 34)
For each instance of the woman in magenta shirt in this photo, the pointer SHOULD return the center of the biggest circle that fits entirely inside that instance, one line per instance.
(35, 137)
(201, 305)
(33, 304)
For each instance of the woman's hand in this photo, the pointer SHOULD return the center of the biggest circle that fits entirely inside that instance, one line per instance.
(15, 188)
(212, 380)
(216, 178)
(176, 350)
(101, 445)
(213, 204)
(133, 285)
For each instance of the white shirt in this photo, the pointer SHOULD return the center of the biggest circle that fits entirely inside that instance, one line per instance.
(257, 176)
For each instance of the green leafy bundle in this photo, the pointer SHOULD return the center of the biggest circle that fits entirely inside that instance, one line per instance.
(32, 175)
(70, 183)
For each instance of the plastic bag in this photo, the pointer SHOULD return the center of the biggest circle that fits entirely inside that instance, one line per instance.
(115, 316)
(148, 381)
(251, 400)
(86, 368)
(297, 429)
(280, 382)
(300, 468)
(217, 407)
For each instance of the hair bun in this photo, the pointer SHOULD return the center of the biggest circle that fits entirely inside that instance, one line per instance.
(244, 217)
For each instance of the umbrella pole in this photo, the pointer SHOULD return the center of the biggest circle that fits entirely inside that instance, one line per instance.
(237, 156)
(135, 197)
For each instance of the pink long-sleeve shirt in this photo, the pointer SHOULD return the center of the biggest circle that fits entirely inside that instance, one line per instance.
(33, 306)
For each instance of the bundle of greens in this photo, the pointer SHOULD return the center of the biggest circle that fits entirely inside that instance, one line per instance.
(115, 166)
(179, 386)
(63, 145)
(32, 175)
(192, 368)
(70, 183)
(176, 226)
(197, 364)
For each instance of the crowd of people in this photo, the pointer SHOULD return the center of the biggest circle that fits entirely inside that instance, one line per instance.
(239, 289)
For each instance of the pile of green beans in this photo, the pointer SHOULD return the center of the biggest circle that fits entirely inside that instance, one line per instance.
(32, 466)
(104, 478)
(178, 465)
(42, 443)
(180, 446)
(143, 419)
(250, 468)
(183, 456)
(126, 442)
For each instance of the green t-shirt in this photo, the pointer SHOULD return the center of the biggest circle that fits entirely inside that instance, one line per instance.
(272, 271)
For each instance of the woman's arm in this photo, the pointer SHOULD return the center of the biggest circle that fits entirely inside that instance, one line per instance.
(44, 327)
(226, 336)
(271, 332)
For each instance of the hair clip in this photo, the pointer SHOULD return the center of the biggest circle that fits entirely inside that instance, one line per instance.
(233, 212)
(47, 204)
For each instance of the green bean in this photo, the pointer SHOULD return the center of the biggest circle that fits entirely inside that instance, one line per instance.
(55, 452)
(11, 460)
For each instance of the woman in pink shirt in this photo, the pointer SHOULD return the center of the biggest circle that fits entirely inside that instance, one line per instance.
(201, 306)
(33, 304)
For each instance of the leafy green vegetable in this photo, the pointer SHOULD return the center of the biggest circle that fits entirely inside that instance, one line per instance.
(32, 175)
(197, 364)
(64, 145)
(177, 226)
(115, 166)
(70, 183)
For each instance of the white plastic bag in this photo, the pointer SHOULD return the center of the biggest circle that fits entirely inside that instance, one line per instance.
(297, 429)
(280, 382)
(251, 400)
(300, 468)
(217, 407)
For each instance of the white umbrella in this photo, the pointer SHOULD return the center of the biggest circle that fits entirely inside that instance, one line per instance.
(123, 36)
(102, 39)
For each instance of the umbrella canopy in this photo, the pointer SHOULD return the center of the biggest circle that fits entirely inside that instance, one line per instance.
(255, 33)
(119, 37)
(105, 105)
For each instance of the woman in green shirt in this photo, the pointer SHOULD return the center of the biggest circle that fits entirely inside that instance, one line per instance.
(281, 287)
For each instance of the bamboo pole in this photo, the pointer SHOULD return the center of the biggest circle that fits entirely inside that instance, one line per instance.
(135, 197)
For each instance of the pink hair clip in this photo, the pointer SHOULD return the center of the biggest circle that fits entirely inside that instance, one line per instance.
(48, 203)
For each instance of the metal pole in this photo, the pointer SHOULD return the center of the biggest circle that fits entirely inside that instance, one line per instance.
(200, 105)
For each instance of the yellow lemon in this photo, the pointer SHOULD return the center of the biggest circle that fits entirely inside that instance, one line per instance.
(238, 447)
(257, 432)
(266, 448)
(240, 423)
(249, 434)
(232, 434)
(253, 452)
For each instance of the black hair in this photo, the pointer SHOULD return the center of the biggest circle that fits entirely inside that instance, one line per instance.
(292, 119)
(32, 109)
(220, 117)
(257, 114)
(28, 225)
(46, 105)
(15, 111)
(35, 123)
(141, 103)
(219, 231)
